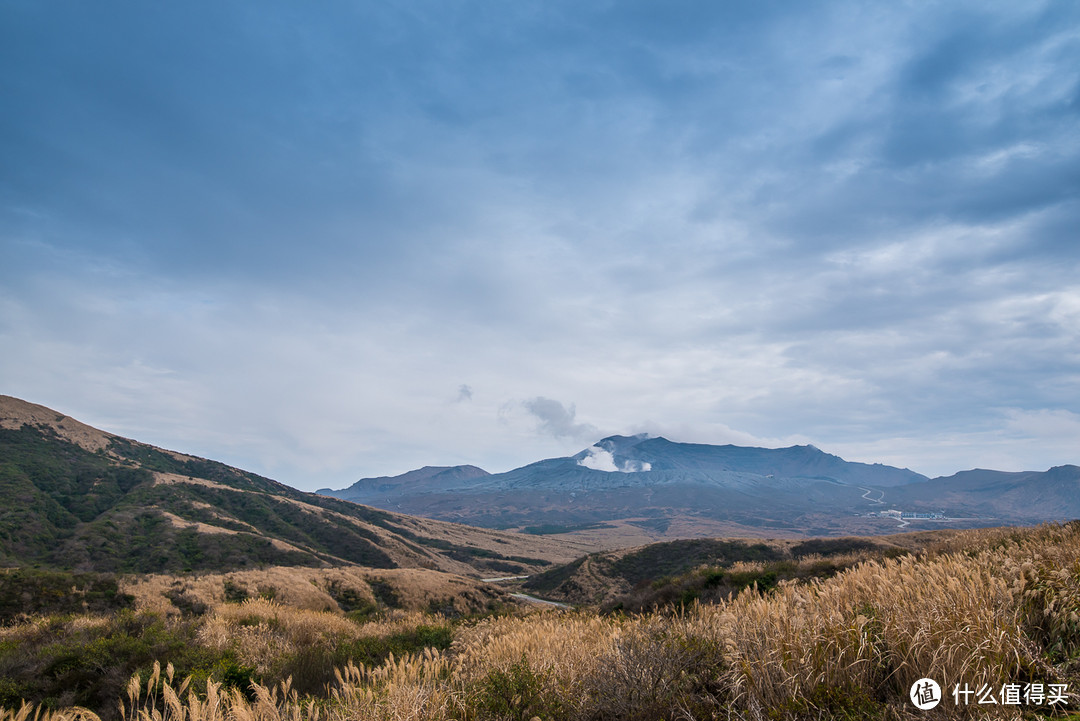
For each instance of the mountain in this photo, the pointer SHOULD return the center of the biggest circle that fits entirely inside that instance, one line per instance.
(653, 482)
(666, 489)
(717, 464)
(428, 477)
(81, 499)
(1017, 497)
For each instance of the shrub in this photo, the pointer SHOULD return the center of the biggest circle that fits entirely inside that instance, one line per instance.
(234, 592)
(79, 660)
(514, 694)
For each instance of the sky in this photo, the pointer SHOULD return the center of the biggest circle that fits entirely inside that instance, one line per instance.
(326, 241)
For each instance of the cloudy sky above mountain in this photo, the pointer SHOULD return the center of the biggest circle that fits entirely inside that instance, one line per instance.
(332, 240)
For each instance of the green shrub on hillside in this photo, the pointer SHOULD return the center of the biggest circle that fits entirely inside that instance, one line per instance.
(28, 591)
(61, 661)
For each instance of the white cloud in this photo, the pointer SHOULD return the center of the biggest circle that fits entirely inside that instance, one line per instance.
(1008, 439)
(1044, 425)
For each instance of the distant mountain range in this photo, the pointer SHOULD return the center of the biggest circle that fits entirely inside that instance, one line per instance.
(78, 498)
(654, 483)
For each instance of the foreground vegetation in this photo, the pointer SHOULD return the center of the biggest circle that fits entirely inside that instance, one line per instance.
(77, 638)
(989, 607)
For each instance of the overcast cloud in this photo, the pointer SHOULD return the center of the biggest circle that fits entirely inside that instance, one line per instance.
(326, 241)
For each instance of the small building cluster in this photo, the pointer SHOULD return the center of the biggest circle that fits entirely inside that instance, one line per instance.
(907, 515)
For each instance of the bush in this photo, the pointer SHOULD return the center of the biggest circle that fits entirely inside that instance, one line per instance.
(374, 650)
(27, 591)
(516, 694)
(654, 667)
(234, 592)
(87, 661)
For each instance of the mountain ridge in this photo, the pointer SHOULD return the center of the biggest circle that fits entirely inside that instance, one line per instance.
(650, 481)
(431, 474)
(651, 455)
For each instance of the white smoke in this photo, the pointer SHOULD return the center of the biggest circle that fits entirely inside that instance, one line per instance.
(599, 459)
(636, 466)
(556, 419)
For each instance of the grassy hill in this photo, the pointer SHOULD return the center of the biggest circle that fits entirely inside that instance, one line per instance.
(710, 569)
(81, 499)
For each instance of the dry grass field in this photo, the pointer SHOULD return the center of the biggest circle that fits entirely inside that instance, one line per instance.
(994, 608)
(343, 589)
(624, 533)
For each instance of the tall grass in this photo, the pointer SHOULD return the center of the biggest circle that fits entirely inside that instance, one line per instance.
(986, 608)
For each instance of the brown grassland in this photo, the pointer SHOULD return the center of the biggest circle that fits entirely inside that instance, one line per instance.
(990, 606)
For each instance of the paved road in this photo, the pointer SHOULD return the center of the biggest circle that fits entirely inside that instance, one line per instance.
(879, 499)
(534, 599)
(524, 596)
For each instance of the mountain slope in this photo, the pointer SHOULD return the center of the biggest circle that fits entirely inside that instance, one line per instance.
(80, 498)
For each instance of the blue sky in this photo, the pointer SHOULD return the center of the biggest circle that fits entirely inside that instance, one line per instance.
(332, 240)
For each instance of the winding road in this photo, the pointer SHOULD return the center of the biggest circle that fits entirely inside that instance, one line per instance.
(524, 596)
(879, 499)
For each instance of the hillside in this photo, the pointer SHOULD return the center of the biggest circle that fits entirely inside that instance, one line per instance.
(712, 569)
(81, 499)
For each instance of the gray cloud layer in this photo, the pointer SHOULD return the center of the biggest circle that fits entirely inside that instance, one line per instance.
(282, 236)
(557, 420)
